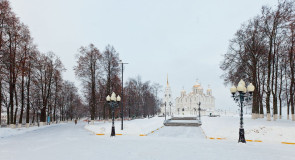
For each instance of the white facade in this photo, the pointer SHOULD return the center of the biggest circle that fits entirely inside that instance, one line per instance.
(168, 101)
(187, 104)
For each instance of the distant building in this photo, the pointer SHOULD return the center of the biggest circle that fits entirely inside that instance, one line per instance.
(187, 104)
(168, 101)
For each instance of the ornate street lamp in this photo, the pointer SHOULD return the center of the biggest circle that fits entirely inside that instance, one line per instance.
(114, 103)
(241, 94)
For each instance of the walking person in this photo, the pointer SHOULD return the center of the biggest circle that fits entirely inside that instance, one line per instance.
(48, 120)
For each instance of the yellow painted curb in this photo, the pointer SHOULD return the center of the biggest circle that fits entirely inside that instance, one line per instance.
(216, 138)
(99, 134)
(142, 135)
(249, 140)
(288, 143)
(119, 134)
(203, 132)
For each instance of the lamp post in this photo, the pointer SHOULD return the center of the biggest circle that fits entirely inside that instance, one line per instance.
(114, 103)
(170, 104)
(165, 110)
(122, 114)
(241, 94)
(199, 104)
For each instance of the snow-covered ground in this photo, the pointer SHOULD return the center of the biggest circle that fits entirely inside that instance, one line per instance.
(6, 132)
(258, 129)
(134, 127)
(75, 142)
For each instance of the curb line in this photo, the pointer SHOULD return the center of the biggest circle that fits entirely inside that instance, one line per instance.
(288, 143)
(154, 130)
(249, 140)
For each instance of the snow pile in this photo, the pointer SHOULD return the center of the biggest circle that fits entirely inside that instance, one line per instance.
(133, 127)
(259, 129)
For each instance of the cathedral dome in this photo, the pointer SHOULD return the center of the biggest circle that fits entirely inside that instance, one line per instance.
(197, 85)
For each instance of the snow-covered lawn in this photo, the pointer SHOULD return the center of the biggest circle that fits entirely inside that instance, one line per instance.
(258, 129)
(6, 132)
(133, 127)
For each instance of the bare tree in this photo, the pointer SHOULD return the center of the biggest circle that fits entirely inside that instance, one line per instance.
(88, 71)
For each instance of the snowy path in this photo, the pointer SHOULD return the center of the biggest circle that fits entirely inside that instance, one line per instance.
(180, 132)
(70, 142)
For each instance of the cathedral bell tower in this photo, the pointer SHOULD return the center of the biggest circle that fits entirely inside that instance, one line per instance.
(167, 100)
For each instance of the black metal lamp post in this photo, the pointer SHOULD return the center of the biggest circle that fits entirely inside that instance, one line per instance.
(241, 94)
(170, 104)
(122, 113)
(165, 110)
(114, 103)
(199, 104)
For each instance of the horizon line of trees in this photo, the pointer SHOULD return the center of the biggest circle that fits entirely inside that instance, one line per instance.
(31, 81)
(263, 52)
(99, 72)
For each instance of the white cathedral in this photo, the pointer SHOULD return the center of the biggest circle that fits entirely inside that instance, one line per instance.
(187, 104)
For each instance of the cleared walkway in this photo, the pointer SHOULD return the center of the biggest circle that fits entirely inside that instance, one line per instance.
(179, 132)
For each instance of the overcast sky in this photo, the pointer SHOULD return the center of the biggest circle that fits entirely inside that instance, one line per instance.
(184, 38)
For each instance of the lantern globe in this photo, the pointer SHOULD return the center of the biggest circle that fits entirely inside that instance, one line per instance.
(108, 98)
(113, 97)
(118, 98)
(233, 89)
(250, 88)
(240, 88)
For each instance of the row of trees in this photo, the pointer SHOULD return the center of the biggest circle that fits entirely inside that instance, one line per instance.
(141, 98)
(99, 73)
(30, 81)
(263, 52)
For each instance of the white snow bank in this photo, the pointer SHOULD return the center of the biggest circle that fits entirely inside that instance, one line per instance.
(133, 127)
(258, 129)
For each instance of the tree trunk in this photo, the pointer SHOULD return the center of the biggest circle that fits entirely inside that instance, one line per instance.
(22, 98)
(0, 101)
(291, 60)
(28, 95)
(255, 105)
